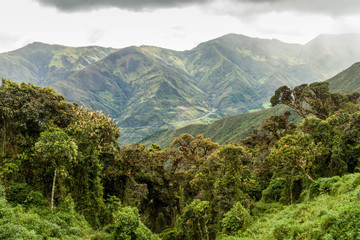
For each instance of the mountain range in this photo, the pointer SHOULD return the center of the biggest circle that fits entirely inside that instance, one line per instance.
(233, 129)
(149, 88)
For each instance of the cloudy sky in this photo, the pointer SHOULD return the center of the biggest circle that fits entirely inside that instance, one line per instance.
(174, 24)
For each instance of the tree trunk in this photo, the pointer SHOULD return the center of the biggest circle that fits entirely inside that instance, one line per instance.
(306, 174)
(4, 137)
(53, 193)
(309, 177)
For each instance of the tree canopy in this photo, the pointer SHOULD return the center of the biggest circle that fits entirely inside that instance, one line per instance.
(63, 174)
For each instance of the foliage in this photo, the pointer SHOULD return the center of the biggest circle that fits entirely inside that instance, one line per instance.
(58, 151)
(25, 111)
(20, 223)
(314, 98)
(320, 218)
(282, 182)
(127, 225)
(278, 125)
(299, 151)
(194, 221)
(235, 219)
(96, 137)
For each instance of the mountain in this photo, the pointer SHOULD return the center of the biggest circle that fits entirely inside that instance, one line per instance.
(44, 64)
(230, 129)
(235, 128)
(332, 53)
(347, 81)
(139, 88)
(237, 70)
(150, 88)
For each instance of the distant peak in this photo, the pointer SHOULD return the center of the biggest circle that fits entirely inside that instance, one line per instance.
(37, 44)
(327, 37)
(355, 65)
(41, 44)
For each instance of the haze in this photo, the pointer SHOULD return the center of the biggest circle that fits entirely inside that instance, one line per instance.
(170, 24)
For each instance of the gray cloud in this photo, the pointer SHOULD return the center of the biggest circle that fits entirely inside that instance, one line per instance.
(136, 5)
(326, 7)
(329, 7)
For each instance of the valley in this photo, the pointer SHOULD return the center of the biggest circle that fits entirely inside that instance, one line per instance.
(148, 88)
(71, 172)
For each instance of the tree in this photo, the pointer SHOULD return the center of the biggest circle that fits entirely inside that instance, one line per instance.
(235, 176)
(128, 226)
(292, 98)
(185, 157)
(278, 126)
(299, 152)
(57, 148)
(194, 221)
(26, 110)
(194, 150)
(312, 99)
(348, 149)
(96, 136)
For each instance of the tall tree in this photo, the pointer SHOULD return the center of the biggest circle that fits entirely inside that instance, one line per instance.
(57, 148)
(96, 136)
(314, 98)
(298, 151)
(26, 110)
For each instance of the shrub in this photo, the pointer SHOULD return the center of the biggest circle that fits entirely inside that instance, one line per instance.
(347, 224)
(127, 226)
(17, 193)
(194, 221)
(235, 219)
(275, 191)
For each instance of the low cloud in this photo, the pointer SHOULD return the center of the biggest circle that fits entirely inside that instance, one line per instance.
(328, 7)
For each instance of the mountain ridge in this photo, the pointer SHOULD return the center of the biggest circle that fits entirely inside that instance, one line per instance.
(235, 128)
(151, 87)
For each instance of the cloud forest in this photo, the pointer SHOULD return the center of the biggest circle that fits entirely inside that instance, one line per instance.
(64, 175)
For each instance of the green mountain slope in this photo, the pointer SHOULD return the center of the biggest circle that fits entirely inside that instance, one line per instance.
(149, 88)
(234, 128)
(138, 89)
(347, 81)
(231, 129)
(44, 64)
(234, 69)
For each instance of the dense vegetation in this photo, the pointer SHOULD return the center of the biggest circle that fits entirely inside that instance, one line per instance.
(233, 129)
(64, 176)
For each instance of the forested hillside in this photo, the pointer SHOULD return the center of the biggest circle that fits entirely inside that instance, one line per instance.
(235, 128)
(149, 88)
(64, 176)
